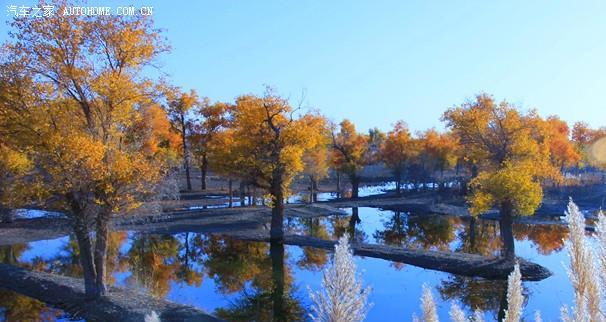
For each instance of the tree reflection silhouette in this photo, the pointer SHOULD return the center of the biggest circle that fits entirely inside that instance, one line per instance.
(424, 231)
(10, 254)
(546, 238)
(155, 262)
(480, 237)
(264, 299)
(475, 293)
(314, 259)
(20, 308)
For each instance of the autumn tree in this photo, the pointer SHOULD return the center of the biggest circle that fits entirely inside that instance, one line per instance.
(583, 135)
(222, 154)
(153, 129)
(72, 90)
(440, 152)
(269, 142)
(397, 150)
(376, 138)
(512, 161)
(317, 159)
(350, 153)
(213, 118)
(179, 109)
(14, 167)
(18, 307)
(556, 134)
(584, 138)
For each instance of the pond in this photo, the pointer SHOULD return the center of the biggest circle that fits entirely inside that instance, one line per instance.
(236, 279)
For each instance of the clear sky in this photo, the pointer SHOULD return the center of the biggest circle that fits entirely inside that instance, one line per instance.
(376, 62)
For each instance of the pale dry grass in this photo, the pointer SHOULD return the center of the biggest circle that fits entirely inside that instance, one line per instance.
(342, 297)
(428, 306)
(152, 317)
(515, 299)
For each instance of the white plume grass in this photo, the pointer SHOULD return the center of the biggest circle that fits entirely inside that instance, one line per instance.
(342, 297)
(456, 314)
(478, 316)
(428, 306)
(152, 317)
(537, 316)
(583, 271)
(515, 299)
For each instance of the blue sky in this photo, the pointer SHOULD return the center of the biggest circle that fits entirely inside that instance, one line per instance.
(376, 62)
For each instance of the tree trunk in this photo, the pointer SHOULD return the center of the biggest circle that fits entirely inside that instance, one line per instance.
(242, 199)
(231, 193)
(277, 295)
(355, 185)
(277, 211)
(472, 235)
(353, 221)
(248, 195)
(398, 180)
(506, 229)
(441, 186)
(186, 160)
(187, 251)
(311, 189)
(204, 170)
(338, 184)
(7, 215)
(86, 256)
(254, 196)
(102, 235)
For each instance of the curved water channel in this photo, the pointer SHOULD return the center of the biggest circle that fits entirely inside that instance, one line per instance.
(233, 279)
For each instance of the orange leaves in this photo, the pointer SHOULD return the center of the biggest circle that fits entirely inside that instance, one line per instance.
(512, 151)
(514, 183)
(590, 143)
(441, 149)
(555, 135)
(154, 130)
(78, 107)
(266, 137)
(350, 149)
(179, 103)
(13, 162)
(398, 149)
(14, 167)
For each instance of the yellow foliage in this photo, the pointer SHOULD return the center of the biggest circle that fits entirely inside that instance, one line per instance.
(511, 183)
(398, 148)
(74, 103)
(513, 152)
(441, 149)
(350, 149)
(265, 140)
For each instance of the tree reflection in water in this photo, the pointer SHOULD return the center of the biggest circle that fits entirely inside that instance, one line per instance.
(155, 261)
(19, 308)
(489, 296)
(480, 237)
(258, 274)
(314, 259)
(10, 254)
(419, 232)
(546, 238)
(264, 300)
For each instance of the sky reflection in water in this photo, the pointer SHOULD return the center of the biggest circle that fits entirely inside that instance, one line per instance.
(234, 278)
